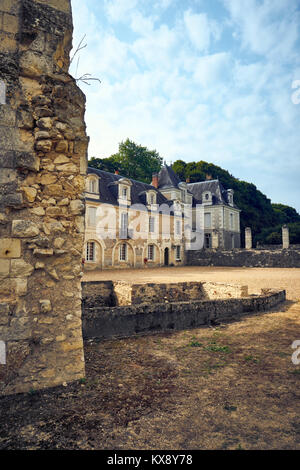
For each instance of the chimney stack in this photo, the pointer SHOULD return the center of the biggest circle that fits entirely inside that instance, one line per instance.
(116, 172)
(208, 177)
(188, 180)
(155, 180)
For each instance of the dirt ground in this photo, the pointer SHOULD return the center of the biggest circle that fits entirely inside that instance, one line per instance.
(233, 386)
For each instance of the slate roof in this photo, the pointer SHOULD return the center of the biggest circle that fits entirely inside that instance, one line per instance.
(108, 189)
(167, 178)
(219, 194)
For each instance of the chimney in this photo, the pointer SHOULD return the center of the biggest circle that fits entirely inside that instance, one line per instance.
(188, 180)
(208, 177)
(116, 172)
(155, 180)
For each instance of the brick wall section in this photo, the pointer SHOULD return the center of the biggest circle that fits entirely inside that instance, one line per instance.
(112, 322)
(249, 258)
(43, 165)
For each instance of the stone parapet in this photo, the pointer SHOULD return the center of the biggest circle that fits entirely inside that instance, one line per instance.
(113, 322)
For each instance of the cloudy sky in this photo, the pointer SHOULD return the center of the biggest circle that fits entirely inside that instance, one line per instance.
(213, 80)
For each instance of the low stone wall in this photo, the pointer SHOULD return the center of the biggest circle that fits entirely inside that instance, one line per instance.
(289, 258)
(111, 322)
(120, 293)
(276, 247)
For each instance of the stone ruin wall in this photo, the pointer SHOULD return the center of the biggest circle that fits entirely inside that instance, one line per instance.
(43, 147)
(99, 294)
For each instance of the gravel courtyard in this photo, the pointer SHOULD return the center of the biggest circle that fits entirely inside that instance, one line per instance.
(255, 278)
(233, 386)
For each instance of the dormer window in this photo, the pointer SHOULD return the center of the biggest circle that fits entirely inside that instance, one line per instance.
(92, 186)
(207, 197)
(151, 198)
(124, 185)
(230, 196)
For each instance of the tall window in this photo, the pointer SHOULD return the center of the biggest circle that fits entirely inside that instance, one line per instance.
(178, 227)
(152, 199)
(231, 221)
(90, 251)
(207, 240)
(151, 249)
(178, 253)
(92, 186)
(151, 224)
(123, 252)
(207, 220)
(92, 216)
(124, 193)
(124, 225)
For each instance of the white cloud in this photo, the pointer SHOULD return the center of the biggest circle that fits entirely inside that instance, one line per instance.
(118, 10)
(267, 27)
(210, 69)
(164, 88)
(200, 30)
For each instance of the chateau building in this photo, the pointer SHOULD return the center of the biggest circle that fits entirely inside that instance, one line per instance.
(133, 224)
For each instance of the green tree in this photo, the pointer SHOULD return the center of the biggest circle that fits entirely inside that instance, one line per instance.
(132, 160)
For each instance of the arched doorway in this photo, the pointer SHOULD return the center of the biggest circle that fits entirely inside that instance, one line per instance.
(166, 257)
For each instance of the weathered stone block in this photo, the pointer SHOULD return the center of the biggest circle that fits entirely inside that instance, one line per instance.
(19, 268)
(45, 306)
(7, 115)
(24, 229)
(43, 252)
(61, 159)
(27, 161)
(10, 23)
(34, 65)
(62, 147)
(30, 194)
(44, 123)
(9, 6)
(68, 168)
(48, 179)
(21, 286)
(4, 312)
(7, 175)
(11, 200)
(38, 211)
(4, 268)
(43, 145)
(77, 207)
(8, 159)
(10, 248)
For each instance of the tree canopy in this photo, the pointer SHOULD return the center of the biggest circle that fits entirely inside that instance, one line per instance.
(132, 160)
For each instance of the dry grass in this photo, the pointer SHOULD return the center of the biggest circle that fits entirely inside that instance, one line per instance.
(230, 387)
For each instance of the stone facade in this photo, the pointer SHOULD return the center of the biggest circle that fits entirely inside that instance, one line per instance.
(184, 215)
(130, 240)
(43, 163)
